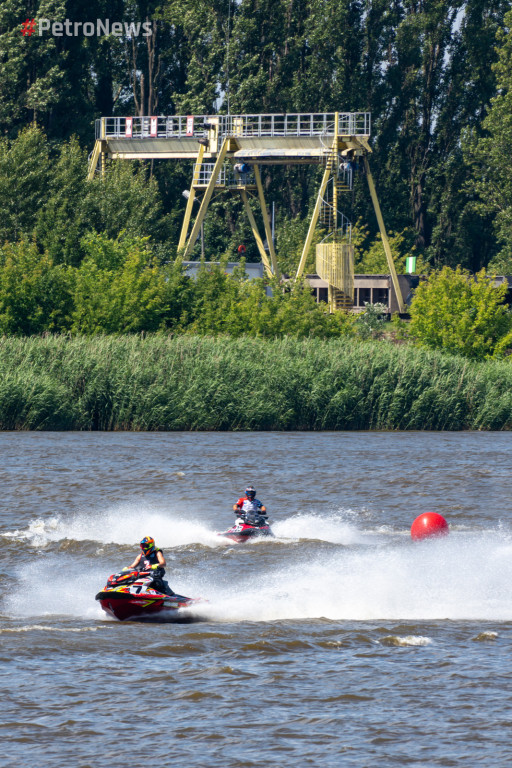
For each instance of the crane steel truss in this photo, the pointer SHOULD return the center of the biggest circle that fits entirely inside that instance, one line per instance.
(228, 151)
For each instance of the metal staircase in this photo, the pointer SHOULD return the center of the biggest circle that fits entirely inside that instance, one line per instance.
(335, 254)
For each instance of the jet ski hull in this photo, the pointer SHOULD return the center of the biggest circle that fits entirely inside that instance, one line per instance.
(126, 607)
(131, 596)
(242, 533)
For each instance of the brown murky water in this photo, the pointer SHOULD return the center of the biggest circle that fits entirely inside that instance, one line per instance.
(339, 642)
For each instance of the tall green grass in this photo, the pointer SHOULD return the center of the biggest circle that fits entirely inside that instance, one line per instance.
(204, 383)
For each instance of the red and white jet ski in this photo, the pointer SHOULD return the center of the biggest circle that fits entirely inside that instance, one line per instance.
(131, 595)
(248, 526)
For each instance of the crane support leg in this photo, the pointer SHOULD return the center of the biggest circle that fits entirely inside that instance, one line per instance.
(384, 236)
(191, 198)
(314, 219)
(259, 241)
(266, 222)
(206, 198)
(94, 160)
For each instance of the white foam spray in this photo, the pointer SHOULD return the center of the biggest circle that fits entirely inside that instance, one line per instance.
(124, 525)
(331, 528)
(457, 578)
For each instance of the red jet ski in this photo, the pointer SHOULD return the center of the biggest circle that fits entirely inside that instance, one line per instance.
(131, 595)
(248, 526)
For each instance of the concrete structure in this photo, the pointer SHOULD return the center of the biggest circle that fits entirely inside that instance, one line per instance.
(379, 289)
(252, 269)
(370, 289)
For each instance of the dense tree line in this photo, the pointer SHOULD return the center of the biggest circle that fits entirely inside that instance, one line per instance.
(436, 76)
(119, 287)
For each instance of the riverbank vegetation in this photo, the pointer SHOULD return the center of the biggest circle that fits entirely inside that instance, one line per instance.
(120, 287)
(200, 383)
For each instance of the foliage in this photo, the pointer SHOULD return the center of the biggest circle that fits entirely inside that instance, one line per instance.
(459, 314)
(118, 288)
(490, 154)
(370, 256)
(291, 234)
(370, 322)
(61, 220)
(44, 194)
(399, 329)
(125, 200)
(231, 304)
(35, 294)
(25, 171)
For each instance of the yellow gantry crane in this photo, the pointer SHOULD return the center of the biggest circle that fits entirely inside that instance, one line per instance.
(228, 151)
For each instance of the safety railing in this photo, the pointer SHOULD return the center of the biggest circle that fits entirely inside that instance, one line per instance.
(175, 126)
(303, 124)
(239, 175)
(198, 126)
(343, 227)
(345, 174)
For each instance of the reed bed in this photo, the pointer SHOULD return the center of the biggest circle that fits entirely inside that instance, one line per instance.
(203, 383)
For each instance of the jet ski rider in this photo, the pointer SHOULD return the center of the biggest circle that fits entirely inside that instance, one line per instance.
(152, 560)
(249, 504)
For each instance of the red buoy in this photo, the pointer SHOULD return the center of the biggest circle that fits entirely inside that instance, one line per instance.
(429, 524)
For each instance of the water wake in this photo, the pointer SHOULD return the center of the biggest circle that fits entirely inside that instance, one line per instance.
(126, 525)
(123, 525)
(361, 576)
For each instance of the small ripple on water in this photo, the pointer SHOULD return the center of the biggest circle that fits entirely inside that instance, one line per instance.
(44, 628)
(483, 637)
(408, 640)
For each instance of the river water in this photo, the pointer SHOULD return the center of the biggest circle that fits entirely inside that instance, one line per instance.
(338, 643)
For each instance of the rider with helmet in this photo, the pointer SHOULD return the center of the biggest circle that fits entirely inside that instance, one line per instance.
(153, 560)
(248, 506)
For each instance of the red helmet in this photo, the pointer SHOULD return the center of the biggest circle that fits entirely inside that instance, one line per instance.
(250, 492)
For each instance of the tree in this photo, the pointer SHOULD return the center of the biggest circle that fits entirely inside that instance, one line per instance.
(24, 178)
(460, 314)
(35, 294)
(492, 157)
(462, 231)
(61, 220)
(119, 288)
(200, 34)
(370, 256)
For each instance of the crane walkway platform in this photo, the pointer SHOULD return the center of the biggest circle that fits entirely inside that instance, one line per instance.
(263, 139)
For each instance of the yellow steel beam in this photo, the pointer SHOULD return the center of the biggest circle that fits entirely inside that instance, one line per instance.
(266, 222)
(385, 241)
(191, 198)
(94, 160)
(314, 219)
(206, 198)
(335, 186)
(257, 237)
(103, 148)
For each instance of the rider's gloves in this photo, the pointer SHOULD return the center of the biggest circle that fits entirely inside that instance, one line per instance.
(154, 567)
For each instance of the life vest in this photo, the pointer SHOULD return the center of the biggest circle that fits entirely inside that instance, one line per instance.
(150, 559)
(246, 505)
